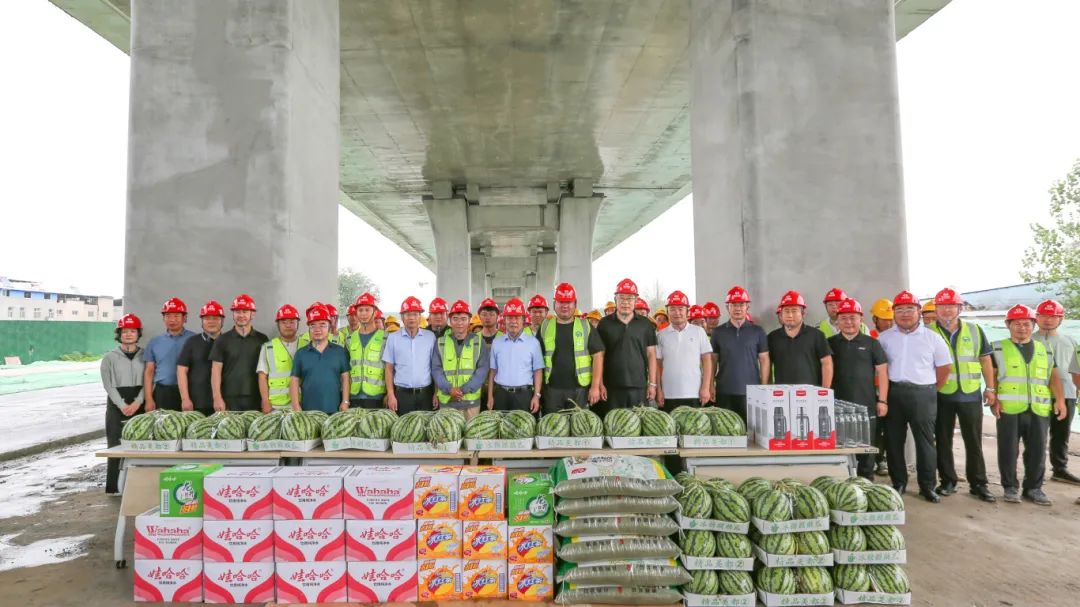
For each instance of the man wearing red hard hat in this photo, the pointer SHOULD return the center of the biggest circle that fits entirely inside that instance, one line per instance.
(488, 311)
(799, 353)
(459, 364)
(122, 378)
(436, 319)
(234, 358)
(573, 359)
(1048, 315)
(276, 361)
(830, 326)
(517, 365)
(962, 396)
(919, 364)
(683, 359)
(740, 354)
(538, 311)
(367, 385)
(629, 356)
(407, 361)
(1029, 392)
(159, 375)
(711, 312)
(193, 364)
(320, 370)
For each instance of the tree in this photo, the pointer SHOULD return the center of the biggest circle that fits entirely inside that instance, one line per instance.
(1055, 258)
(350, 284)
(655, 296)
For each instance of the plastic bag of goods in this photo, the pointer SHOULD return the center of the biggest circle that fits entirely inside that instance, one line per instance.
(607, 548)
(630, 572)
(616, 504)
(571, 594)
(607, 475)
(631, 524)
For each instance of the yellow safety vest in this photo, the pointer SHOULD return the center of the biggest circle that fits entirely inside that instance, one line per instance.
(1022, 385)
(367, 373)
(334, 338)
(279, 371)
(826, 328)
(582, 358)
(965, 357)
(460, 369)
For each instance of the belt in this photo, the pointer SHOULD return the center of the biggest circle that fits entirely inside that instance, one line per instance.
(515, 388)
(908, 384)
(398, 388)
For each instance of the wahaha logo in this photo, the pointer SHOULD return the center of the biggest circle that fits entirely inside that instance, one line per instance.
(438, 580)
(433, 499)
(482, 539)
(377, 492)
(439, 537)
(483, 579)
(529, 544)
(158, 530)
(529, 581)
(478, 500)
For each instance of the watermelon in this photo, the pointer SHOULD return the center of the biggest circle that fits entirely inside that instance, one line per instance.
(622, 422)
(695, 501)
(200, 429)
(373, 426)
(698, 543)
(585, 423)
(733, 545)
(753, 487)
(812, 542)
(694, 422)
(850, 539)
(168, 427)
(454, 413)
(883, 537)
(683, 478)
(554, 424)
(139, 427)
(813, 580)
(267, 427)
(777, 580)
(880, 498)
(858, 480)
(483, 426)
(318, 416)
(230, 427)
(851, 577)
(719, 483)
(729, 506)
(773, 505)
(409, 428)
(655, 422)
(889, 578)
(779, 543)
(846, 497)
(736, 583)
(822, 482)
(297, 426)
(340, 425)
(444, 428)
(517, 424)
(810, 503)
(728, 423)
(705, 581)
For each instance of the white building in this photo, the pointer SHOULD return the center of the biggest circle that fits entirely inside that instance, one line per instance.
(30, 300)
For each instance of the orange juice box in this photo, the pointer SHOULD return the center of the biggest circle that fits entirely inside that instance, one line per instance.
(483, 579)
(532, 582)
(484, 540)
(439, 579)
(438, 539)
(532, 544)
(482, 493)
(435, 491)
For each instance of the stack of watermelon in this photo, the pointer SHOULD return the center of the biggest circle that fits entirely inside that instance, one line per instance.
(286, 425)
(504, 425)
(873, 574)
(159, 425)
(223, 425)
(639, 421)
(359, 423)
(708, 421)
(714, 541)
(576, 422)
(432, 427)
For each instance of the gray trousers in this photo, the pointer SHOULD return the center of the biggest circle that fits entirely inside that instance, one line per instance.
(1032, 430)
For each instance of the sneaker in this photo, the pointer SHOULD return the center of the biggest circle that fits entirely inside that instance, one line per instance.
(1064, 476)
(945, 489)
(1012, 496)
(882, 469)
(1036, 496)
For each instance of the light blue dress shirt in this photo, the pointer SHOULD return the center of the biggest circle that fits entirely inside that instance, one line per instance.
(411, 357)
(515, 360)
(163, 351)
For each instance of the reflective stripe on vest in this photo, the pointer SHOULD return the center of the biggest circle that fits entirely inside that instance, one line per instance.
(582, 358)
(366, 371)
(460, 369)
(965, 357)
(826, 328)
(1022, 385)
(279, 366)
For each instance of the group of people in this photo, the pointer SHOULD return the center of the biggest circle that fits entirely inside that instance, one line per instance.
(910, 370)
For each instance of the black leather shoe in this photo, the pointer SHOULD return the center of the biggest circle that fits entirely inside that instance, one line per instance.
(1064, 476)
(900, 488)
(945, 489)
(983, 492)
(930, 496)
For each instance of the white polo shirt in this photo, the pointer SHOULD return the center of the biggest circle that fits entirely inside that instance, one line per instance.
(914, 357)
(681, 352)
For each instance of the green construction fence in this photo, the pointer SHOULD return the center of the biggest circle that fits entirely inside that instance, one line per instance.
(36, 340)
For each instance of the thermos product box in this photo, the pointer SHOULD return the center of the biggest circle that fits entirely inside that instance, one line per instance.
(239, 493)
(161, 538)
(380, 493)
(182, 490)
(322, 582)
(308, 492)
(770, 407)
(238, 541)
(231, 583)
(814, 408)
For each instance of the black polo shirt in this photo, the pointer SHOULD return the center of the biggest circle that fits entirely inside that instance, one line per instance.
(854, 364)
(239, 357)
(797, 360)
(737, 350)
(195, 355)
(626, 361)
(563, 369)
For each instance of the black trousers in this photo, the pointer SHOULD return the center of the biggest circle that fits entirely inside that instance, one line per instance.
(878, 434)
(114, 427)
(970, 415)
(167, 397)
(242, 403)
(1032, 430)
(620, 398)
(865, 463)
(519, 399)
(366, 403)
(410, 399)
(1060, 429)
(914, 406)
(557, 399)
(733, 402)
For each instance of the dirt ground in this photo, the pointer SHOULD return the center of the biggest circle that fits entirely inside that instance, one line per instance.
(961, 552)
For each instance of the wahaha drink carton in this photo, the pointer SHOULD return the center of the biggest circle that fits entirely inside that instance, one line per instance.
(161, 538)
(532, 582)
(379, 493)
(482, 493)
(168, 581)
(239, 493)
(531, 544)
(382, 582)
(438, 539)
(380, 541)
(238, 541)
(238, 583)
(483, 540)
(483, 579)
(438, 579)
(308, 492)
(181, 489)
(311, 582)
(435, 491)
(311, 540)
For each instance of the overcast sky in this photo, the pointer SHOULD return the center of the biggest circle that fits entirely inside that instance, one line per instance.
(988, 100)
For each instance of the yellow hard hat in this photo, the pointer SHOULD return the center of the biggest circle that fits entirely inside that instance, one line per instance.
(423, 322)
(882, 308)
(392, 323)
(475, 321)
(929, 307)
(659, 311)
(609, 306)
(578, 313)
(594, 315)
